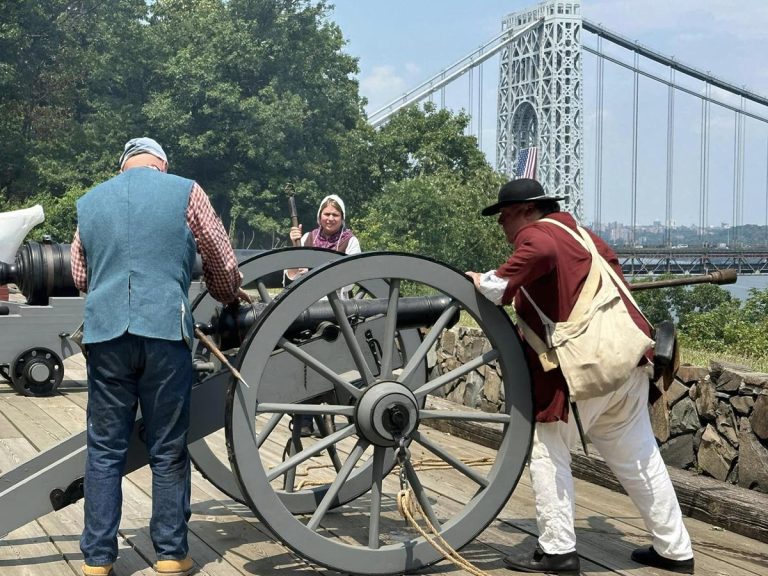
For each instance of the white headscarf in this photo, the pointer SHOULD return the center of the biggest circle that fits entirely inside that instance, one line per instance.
(338, 201)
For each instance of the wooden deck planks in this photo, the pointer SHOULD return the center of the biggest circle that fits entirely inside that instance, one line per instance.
(227, 540)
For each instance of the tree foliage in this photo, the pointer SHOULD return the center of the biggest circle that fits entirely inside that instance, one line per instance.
(67, 70)
(253, 95)
(435, 181)
(454, 232)
(245, 95)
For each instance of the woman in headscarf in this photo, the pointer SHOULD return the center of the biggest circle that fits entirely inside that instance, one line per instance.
(331, 231)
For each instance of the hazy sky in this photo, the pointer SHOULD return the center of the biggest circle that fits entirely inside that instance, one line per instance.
(400, 44)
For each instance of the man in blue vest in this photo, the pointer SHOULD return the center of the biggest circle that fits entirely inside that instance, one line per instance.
(133, 253)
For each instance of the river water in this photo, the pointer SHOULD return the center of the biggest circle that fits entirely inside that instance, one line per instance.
(740, 290)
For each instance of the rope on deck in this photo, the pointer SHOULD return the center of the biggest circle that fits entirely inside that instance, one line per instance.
(407, 506)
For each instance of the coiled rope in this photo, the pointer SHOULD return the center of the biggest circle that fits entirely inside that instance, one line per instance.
(407, 505)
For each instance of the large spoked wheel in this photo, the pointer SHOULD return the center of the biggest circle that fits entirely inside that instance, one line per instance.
(264, 273)
(386, 403)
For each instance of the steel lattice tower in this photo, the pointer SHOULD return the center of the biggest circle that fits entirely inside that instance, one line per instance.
(540, 99)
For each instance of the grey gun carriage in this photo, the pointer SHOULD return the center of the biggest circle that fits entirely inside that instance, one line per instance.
(361, 369)
(36, 335)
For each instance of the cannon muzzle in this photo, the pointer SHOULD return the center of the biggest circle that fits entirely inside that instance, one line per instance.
(727, 276)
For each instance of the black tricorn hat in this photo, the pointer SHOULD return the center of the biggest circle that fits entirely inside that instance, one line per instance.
(516, 192)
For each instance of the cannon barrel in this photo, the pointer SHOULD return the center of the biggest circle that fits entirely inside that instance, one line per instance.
(230, 325)
(727, 276)
(43, 269)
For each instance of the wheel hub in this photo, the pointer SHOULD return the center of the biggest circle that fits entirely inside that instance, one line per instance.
(386, 412)
(37, 372)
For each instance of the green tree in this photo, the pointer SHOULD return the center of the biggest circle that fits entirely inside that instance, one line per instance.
(423, 140)
(655, 303)
(251, 95)
(70, 79)
(428, 182)
(680, 303)
(449, 227)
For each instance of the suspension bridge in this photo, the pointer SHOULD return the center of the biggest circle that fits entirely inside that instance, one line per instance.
(540, 57)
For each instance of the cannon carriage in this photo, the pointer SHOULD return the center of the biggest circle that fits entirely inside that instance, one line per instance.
(360, 369)
(36, 334)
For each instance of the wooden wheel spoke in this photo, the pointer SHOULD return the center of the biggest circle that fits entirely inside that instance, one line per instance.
(390, 327)
(309, 452)
(351, 340)
(456, 373)
(338, 483)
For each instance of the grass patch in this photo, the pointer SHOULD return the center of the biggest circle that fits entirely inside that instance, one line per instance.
(703, 358)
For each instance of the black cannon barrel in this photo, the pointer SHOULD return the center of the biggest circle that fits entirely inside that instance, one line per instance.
(43, 269)
(230, 325)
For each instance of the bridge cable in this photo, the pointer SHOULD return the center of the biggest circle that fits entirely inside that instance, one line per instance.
(740, 197)
(737, 164)
(670, 155)
(599, 140)
(704, 166)
(453, 72)
(671, 62)
(635, 107)
(680, 88)
(480, 107)
(471, 104)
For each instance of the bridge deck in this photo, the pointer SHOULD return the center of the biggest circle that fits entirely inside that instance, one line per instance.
(226, 539)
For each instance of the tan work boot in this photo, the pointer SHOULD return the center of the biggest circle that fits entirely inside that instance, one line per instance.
(96, 570)
(174, 567)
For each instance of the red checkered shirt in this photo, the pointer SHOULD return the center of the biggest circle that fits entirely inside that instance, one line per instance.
(220, 271)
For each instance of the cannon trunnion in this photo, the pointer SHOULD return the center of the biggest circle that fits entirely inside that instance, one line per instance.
(362, 370)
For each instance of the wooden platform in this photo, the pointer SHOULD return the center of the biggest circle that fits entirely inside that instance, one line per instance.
(227, 540)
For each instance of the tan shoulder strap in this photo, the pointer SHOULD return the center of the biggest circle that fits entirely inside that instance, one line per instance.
(547, 356)
(619, 282)
(589, 289)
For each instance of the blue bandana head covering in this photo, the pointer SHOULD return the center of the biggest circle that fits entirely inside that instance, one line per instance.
(142, 146)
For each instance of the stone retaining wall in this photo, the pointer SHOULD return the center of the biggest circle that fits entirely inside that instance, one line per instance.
(713, 421)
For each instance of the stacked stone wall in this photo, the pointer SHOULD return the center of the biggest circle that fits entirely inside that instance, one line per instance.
(711, 420)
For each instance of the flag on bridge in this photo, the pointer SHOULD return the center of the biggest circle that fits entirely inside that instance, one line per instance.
(526, 162)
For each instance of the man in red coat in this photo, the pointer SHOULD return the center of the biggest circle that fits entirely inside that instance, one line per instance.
(551, 266)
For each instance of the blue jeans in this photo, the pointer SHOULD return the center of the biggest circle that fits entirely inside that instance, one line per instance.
(123, 374)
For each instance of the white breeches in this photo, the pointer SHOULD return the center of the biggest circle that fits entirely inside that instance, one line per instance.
(619, 427)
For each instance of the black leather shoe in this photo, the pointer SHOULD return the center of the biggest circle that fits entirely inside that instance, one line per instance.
(542, 562)
(649, 557)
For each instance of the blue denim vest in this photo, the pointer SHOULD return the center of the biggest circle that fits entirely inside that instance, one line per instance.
(140, 254)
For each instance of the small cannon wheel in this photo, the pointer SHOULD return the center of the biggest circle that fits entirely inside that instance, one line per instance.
(261, 271)
(37, 372)
(387, 404)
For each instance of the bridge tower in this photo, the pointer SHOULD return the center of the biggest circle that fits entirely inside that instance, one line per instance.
(540, 98)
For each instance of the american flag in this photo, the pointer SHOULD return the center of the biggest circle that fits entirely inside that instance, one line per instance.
(526, 162)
